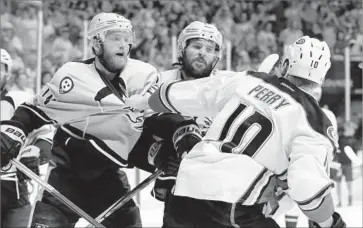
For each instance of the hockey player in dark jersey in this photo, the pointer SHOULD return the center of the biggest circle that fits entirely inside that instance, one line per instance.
(96, 129)
(267, 133)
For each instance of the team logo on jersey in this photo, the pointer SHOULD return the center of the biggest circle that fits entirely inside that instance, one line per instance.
(301, 41)
(66, 85)
(154, 149)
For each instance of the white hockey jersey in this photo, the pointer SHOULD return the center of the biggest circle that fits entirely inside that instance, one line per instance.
(79, 99)
(176, 75)
(264, 129)
(11, 100)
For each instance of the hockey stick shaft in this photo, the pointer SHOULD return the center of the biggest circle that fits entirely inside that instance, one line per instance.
(56, 194)
(39, 195)
(124, 199)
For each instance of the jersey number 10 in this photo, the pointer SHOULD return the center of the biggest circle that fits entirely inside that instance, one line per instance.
(257, 121)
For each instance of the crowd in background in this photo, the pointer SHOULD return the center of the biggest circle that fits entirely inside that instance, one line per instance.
(254, 29)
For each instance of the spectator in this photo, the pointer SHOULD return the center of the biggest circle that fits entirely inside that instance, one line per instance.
(267, 38)
(243, 23)
(340, 44)
(21, 82)
(18, 63)
(291, 33)
(46, 77)
(345, 140)
(8, 39)
(62, 46)
(27, 29)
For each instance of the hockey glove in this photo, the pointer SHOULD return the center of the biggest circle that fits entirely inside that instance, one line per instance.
(185, 138)
(337, 222)
(12, 138)
(161, 154)
(29, 156)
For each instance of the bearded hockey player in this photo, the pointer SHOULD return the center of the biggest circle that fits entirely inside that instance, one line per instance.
(268, 132)
(97, 130)
(199, 50)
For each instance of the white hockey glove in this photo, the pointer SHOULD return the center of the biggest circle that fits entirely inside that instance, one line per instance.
(29, 156)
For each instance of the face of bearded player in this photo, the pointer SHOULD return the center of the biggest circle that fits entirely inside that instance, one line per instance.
(116, 48)
(200, 57)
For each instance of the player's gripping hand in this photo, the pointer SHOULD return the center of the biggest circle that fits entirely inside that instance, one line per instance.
(29, 156)
(162, 155)
(185, 138)
(12, 138)
(337, 222)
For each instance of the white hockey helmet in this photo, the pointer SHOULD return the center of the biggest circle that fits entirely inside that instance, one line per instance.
(307, 58)
(202, 30)
(6, 62)
(104, 22)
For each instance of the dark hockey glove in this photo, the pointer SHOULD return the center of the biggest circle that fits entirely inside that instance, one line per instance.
(12, 138)
(167, 161)
(29, 156)
(337, 222)
(162, 155)
(185, 138)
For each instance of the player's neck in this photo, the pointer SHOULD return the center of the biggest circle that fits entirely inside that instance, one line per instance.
(109, 75)
(185, 76)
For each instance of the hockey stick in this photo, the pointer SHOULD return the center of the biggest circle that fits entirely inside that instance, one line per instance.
(124, 199)
(55, 193)
(84, 118)
(39, 195)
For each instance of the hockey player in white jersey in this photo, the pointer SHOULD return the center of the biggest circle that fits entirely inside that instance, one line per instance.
(97, 130)
(286, 205)
(15, 206)
(199, 50)
(268, 132)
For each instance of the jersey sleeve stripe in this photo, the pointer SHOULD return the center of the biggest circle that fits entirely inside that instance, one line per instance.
(98, 144)
(323, 210)
(37, 112)
(163, 96)
(253, 185)
(309, 203)
(32, 117)
(10, 100)
(167, 98)
(156, 104)
(121, 162)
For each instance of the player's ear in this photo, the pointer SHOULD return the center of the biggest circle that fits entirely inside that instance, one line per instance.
(285, 68)
(97, 47)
